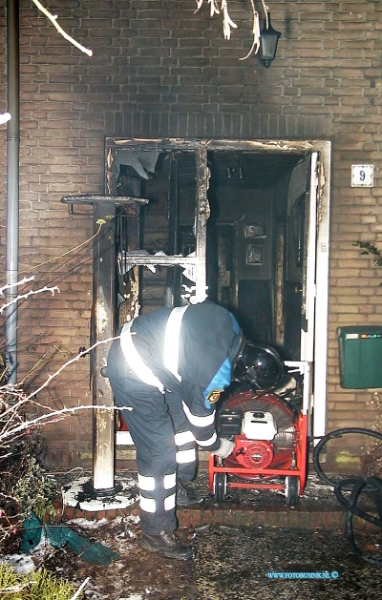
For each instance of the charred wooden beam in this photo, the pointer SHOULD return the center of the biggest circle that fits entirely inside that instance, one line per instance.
(103, 330)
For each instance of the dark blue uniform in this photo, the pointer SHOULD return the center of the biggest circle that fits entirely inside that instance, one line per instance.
(167, 421)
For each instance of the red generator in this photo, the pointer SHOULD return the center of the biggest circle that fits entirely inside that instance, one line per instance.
(270, 432)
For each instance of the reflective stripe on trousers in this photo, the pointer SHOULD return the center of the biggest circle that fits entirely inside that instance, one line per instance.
(157, 495)
(198, 421)
(186, 451)
(187, 437)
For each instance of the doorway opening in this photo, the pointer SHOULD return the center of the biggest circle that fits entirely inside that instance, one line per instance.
(255, 243)
(244, 223)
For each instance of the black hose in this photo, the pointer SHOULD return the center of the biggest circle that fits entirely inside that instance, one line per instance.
(357, 489)
(337, 434)
(367, 484)
(357, 485)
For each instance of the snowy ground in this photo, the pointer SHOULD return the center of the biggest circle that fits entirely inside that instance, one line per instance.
(231, 563)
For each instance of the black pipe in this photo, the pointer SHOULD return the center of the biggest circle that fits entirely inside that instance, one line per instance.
(13, 151)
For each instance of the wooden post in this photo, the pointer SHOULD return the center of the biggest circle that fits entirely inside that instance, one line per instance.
(104, 268)
(103, 328)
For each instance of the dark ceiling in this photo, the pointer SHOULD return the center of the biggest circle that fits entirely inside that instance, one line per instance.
(250, 169)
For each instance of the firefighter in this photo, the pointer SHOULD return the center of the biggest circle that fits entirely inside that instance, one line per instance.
(167, 370)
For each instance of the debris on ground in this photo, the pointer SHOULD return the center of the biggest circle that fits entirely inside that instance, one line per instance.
(230, 562)
(60, 535)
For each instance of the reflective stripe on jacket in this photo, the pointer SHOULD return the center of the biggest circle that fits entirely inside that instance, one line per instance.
(186, 351)
(170, 350)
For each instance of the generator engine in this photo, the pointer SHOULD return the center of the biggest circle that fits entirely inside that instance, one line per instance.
(254, 449)
(262, 428)
(270, 435)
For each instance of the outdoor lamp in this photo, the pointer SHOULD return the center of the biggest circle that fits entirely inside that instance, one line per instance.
(268, 43)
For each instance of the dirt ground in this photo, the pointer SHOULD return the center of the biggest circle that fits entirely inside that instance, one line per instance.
(237, 563)
(229, 564)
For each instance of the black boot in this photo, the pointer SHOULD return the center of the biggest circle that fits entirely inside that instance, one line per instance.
(167, 544)
(186, 497)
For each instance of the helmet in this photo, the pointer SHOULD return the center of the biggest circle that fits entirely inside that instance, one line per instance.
(260, 366)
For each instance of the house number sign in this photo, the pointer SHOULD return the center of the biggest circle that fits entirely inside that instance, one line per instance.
(362, 175)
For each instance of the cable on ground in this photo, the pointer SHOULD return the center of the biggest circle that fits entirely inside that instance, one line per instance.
(356, 486)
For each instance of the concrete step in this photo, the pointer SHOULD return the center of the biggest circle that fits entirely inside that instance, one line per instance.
(317, 508)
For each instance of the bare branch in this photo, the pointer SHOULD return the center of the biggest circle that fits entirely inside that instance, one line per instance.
(82, 586)
(227, 21)
(15, 589)
(30, 293)
(55, 416)
(255, 32)
(73, 360)
(53, 19)
(228, 24)
(18, 283)
(214, 9)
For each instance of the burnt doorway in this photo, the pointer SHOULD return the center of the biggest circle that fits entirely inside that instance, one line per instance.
(256, 242)
(243, 223)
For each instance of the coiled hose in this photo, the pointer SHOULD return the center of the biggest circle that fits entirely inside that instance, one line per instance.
(356, 486)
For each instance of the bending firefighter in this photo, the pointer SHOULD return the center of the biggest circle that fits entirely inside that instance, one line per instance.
(167, 371)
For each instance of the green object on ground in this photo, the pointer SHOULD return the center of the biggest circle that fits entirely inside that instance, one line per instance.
(32, 533)
(93, 553)
(61, 535)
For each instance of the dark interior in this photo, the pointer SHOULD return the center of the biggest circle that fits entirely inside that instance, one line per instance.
(255, 235)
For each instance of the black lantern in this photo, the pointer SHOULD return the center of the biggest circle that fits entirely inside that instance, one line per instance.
(268, 43)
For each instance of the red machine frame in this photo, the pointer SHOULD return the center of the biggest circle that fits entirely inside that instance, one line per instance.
(295, 475)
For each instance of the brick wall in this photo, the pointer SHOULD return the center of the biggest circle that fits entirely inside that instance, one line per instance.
(159, 70)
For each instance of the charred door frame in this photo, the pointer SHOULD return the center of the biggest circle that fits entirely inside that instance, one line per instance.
(168, 146)
(322, 190)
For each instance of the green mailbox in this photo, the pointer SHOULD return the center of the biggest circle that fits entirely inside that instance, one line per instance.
(360, 349)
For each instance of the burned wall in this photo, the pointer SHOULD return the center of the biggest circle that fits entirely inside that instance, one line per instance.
(161, 70)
